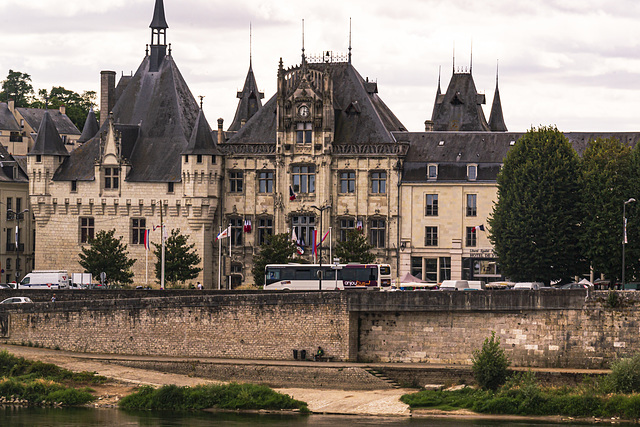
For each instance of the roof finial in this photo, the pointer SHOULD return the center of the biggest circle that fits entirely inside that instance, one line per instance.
(250, 52)
(201, 98)
(439, 72)
(454, 57)
(303, 57)
(471, 59)
(349, 40)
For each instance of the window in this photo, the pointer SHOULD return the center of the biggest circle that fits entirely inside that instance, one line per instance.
(8, 264)
(304, 179)
(346, 225)
(138, 225)
(265, 182)
(18, 204)
(186, 159)
(235, 181)
(347, 182)
(199, 158)
(431, 269)
(169, 187)
(237, 229)
(111, 178)
(38, 158)
(431, 205)
(11, 244)
(416, 267)
(265, 229)
(303, 133)
(445, 268)
(471, 237)
(303, 226)
(74, 186)
(431, 236)
(86, 229)
(213, 160)
(432, 171)
(472, 208)
(9, 205)
(376, 232)
(378, 182)
(472, 172)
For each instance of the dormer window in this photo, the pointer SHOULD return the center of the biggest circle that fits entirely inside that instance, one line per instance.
(472, 172)
(199, 158)
(111, 178)
(432, 172)
(303, 133)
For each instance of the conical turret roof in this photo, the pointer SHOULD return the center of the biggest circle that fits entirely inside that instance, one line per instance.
(201, 141)
(250, 101)
(48, 141)
(158, 20)
(496, 119)
(90, 128)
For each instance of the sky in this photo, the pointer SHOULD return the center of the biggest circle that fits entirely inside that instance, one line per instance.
(574, 64)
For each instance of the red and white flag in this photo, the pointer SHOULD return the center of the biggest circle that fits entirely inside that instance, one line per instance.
(292, 195)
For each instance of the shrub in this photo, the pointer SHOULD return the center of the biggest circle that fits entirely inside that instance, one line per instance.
(625, 375)
(490, 364)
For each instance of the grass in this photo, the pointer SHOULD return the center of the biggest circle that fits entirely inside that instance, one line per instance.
(37, 382)
(521, 395)
(230, 396)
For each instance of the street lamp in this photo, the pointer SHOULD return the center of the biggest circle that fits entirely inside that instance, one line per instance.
(624, 232)
(322, 209)
(18, 216)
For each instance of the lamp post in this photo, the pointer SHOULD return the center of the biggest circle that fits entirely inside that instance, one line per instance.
(624, 232)
(18, 216)
(322, 209)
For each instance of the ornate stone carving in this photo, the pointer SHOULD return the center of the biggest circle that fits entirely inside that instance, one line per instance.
(382, 149)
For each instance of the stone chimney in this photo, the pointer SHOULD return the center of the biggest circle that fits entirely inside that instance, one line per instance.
(220, 131)
(63, 109)
(107, 94)
(12, 106)
(428, 125)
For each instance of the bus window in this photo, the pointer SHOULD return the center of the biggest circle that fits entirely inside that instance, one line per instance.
(385, 270)
(303, 274)
(273, 275)
(329, 274)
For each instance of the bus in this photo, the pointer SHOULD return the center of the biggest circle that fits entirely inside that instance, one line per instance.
(305, 277)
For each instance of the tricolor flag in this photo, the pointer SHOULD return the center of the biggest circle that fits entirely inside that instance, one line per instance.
(292, 195)
(247, 226)
(359, 225)
(314, 243)
(478, 228)
(324, 237)
(623, 241)
(147, 235)
(224, 233)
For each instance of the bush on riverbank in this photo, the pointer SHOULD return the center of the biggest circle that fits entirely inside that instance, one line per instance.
(26, 381)
(230, 396)
(522, 395)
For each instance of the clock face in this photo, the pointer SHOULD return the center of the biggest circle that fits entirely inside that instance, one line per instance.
(303, 111)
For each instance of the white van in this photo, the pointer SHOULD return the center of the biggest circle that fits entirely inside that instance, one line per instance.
(45, 279)
(476, 285)
(532, 286)
(454, 285)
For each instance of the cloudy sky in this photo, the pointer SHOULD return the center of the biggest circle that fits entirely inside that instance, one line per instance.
(573, 64)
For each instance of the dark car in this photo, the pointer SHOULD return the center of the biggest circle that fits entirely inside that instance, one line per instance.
(574, 286)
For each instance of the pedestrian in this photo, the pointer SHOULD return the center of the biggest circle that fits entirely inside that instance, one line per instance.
(199, 286)
(53, 298)
(318, 354)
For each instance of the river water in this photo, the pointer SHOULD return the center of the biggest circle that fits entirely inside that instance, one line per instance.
(89, 417)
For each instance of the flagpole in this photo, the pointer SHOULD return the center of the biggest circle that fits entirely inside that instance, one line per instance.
(229, 255)
(330, 237)
(146, 260)
(162, 240)
(219, 258)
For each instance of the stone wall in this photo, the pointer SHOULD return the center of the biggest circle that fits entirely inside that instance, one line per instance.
(551, 329)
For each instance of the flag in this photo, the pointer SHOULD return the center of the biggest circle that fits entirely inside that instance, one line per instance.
(247, 226)
(623, 241)
(17, 236)
(147, 243)
(359, 225)
(224, 233)
(479, 227)
(292, 195)
(314, 244)
(299, 250)
(324, 237)
(294, 238)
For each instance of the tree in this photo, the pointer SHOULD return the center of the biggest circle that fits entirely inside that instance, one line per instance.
(76, 105)
(180, 260)
(607, 181)
(278, 249)
(490, 364)
(109, 255)
(17, 86)
(535, 223)
(355, 249)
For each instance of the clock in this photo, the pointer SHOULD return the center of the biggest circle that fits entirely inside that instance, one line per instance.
(303, 111)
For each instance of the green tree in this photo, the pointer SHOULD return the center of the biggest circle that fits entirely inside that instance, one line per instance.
(76, 105)
(109, 255)
(355, 249)
(490, 364)
(17, 86)
(607, 179)
(535, 223)
(278, 249)
(180, 259)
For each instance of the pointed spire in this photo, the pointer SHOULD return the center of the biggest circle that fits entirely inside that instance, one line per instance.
(250, 47)
(496, 118)
(454, 57)
(250, 100)
(471, 59)
(201, 141)
(48, 141)
(158, 37)
(90, 128)
(349, 40)
(159, 20)
(438, 93)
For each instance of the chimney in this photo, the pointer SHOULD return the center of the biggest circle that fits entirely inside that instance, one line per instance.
(107, 94)
(220, 132)
(428, 125)
(12, 106)
(63, 109)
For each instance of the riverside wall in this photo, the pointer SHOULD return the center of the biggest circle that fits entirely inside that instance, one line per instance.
(548, 329)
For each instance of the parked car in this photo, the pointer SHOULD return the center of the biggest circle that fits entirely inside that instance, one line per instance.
(532, 286)
(453, 285)
(573, 286)
(632, 286)
(6, 286)
(17, 300)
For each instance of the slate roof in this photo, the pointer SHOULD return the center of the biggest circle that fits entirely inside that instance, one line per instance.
(7, 163)
(33, 116)
(201, 141)
(496, 119)
(7, 120)
(155, 114)
(459, 109)
(48, 141)
(452, 151)
(90, 128)
(250, 101)
(158, 20)
(370, 121)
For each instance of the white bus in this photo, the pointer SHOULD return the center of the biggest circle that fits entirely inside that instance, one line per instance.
(304, 277)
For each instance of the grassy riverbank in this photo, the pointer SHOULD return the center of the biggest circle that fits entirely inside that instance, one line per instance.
(36, 383)
(229, 396)
(523, 396)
